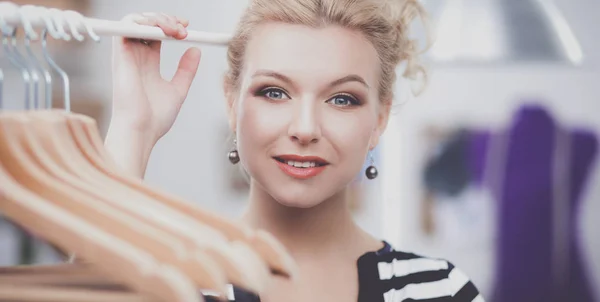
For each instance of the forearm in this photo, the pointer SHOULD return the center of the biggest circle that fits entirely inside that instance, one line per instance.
(129, 148)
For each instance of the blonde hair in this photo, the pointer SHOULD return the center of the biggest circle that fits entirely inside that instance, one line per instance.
(385, 23)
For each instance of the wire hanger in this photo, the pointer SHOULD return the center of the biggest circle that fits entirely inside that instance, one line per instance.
(35, 66)
(7, 32)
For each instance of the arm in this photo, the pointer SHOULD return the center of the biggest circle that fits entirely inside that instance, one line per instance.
(144, 104)
(129, 148)
(463, 289)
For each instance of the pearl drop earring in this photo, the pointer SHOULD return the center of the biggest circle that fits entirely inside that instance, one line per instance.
(371, 171)
(233, 155)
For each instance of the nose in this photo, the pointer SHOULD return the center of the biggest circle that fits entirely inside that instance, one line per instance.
(305, 126)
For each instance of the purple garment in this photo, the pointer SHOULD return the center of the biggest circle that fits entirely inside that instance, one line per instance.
(584, 147)
(525, 263)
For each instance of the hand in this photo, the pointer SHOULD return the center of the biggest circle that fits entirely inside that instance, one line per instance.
(144, 102)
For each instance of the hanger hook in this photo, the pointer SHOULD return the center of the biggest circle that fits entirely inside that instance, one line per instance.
(72, 22)
(76, 16)
(4, 28)
(8, 9)
(45, 13)
(17, 60)
(57, 17)
(26, 13)
(59, 21)
(62, 73)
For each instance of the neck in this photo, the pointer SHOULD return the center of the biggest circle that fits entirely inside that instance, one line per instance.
(307, 232)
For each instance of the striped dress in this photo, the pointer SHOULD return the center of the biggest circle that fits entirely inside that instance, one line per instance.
(388, 275)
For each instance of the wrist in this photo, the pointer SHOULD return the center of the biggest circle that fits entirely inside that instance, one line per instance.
(131, 124)
(129, 146)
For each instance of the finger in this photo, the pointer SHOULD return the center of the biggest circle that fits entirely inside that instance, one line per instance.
(139, 19)
(185, 22)
(172, 19)
(142, 20)
(186, 71)
(163, 22)
(181, 31)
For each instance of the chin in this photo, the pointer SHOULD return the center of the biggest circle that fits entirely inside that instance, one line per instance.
(303, 201)
(302, 196)
(294, 193)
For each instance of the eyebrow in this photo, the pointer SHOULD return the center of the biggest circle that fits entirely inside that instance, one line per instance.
(348, 78)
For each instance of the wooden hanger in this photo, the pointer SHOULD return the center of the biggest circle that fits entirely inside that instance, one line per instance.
(37, 167)
(37, 293)
(51, 126)
(268, 248)
(52, 131)
(85, 130)
(62, 282)
(271, 250)
(64, 274)
(113, 257)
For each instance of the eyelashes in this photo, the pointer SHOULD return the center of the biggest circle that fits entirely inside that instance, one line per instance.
(272, 93)
(344, 100)
(338, 100)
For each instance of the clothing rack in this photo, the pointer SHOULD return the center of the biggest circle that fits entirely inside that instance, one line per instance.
(30, 16)
(132, 242)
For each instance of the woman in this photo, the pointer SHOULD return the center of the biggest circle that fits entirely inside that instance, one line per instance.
(309, 91)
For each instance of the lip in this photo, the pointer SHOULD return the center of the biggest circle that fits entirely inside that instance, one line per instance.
(301, 173)
(295, 157)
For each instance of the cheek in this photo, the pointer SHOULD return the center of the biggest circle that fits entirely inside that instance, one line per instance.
(258, 124)
(350, 133)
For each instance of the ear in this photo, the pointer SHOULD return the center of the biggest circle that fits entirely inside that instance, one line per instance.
(230, 98)
(382, 122)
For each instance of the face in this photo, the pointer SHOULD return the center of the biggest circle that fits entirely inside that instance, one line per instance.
(307, 111)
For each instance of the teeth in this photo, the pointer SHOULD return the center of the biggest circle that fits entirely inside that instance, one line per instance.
(299, 164)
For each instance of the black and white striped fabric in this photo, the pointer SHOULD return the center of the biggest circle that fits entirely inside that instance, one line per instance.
(388, 275)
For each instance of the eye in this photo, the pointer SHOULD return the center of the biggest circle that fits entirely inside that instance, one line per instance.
(273, 93)
(343, 100)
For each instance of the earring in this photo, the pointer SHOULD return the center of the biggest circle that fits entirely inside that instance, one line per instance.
(371, 171)
(233, 155)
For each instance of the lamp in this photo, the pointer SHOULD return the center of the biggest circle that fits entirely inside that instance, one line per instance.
(500, 31)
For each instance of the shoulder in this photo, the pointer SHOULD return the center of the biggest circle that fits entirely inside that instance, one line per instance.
(413, 277)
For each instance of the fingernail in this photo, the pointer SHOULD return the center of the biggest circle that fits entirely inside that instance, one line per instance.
(180, 28)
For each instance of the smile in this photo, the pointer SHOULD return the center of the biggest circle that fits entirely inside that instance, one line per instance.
(301, 167)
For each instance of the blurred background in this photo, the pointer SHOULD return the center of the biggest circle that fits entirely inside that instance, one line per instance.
(493, 167)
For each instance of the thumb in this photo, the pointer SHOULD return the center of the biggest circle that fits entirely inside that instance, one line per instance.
(186, 71)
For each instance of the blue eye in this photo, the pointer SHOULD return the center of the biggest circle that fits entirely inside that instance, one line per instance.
(343, 101)
(273, 93)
